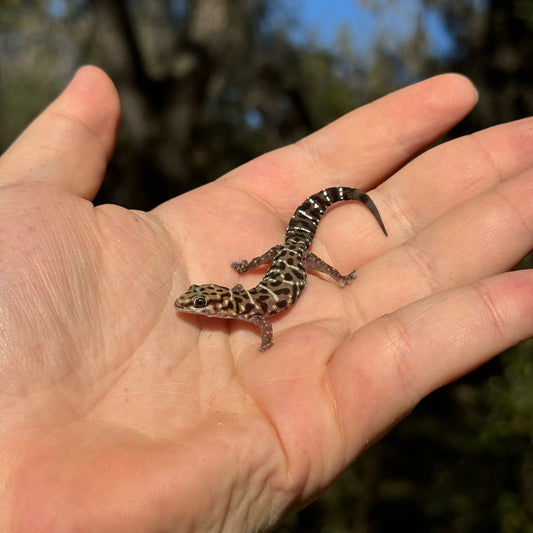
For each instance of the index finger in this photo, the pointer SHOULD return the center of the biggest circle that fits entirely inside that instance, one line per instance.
(373, 141)
(362, 148)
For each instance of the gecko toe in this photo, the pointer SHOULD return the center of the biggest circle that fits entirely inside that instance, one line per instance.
(265, 346)
(240, 266)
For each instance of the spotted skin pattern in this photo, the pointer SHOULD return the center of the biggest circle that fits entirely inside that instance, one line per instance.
(286, 277)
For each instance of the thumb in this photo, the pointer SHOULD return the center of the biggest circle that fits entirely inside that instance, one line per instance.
(70, 143)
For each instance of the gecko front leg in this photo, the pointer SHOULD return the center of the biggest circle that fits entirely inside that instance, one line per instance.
(265, 259)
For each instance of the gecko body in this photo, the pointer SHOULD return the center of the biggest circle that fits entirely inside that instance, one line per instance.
(286, 277)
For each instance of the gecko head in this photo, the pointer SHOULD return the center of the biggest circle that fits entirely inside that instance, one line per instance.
(206, 300)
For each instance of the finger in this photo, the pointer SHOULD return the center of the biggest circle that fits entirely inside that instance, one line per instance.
(421, 192)
(361, 148)
(487, 235)
(393, 362)
(371, 142)
(70, 143)
(454, 172)
(484, 236)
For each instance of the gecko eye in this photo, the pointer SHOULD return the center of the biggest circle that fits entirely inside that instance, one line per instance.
(199, 302)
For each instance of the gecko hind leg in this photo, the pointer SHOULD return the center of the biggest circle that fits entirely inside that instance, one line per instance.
(310, 260)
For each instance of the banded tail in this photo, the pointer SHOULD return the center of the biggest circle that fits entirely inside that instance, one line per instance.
(304, 222)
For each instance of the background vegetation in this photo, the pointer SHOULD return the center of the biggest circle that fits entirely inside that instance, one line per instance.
(209, 84)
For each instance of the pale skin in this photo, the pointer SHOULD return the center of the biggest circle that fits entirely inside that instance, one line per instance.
(118, 414)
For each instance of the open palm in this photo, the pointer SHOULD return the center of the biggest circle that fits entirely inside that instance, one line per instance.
(120, 414)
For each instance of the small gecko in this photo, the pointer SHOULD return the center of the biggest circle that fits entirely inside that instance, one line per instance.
(286, 277)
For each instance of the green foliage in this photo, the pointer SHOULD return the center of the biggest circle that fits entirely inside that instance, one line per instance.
(523, 10)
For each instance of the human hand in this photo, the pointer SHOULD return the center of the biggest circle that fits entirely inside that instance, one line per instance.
(118, 414)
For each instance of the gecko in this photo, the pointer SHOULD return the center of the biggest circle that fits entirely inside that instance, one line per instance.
(285, 279)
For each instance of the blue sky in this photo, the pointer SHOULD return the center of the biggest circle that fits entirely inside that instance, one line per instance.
(394, 18)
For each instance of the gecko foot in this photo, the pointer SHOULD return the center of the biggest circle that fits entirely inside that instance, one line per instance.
(240, 266)
(265, 346)
(346, 280)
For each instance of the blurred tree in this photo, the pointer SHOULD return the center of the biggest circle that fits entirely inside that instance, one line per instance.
(495, 47)
(191, 111)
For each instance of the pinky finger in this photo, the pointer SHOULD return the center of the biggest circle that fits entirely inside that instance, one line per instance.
(392, 363)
